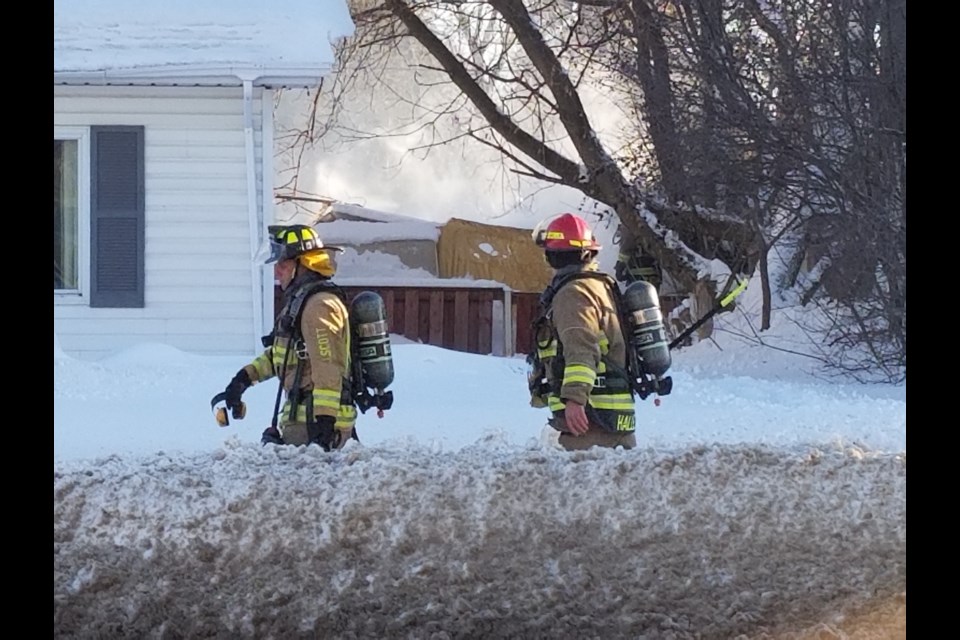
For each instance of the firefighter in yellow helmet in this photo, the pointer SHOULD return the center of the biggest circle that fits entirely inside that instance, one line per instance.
(309, 348)
(579, 364)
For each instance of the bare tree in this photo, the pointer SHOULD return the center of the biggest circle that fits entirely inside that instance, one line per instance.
(518, 73)
(754, 126)
(795, 121)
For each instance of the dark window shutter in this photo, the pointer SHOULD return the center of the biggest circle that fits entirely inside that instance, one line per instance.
(117, 217)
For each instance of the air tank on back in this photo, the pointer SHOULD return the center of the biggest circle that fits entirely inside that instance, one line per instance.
(368, 315)
(648, 337)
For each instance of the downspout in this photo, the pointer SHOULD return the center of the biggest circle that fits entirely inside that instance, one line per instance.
(253, 214)
(267, 282)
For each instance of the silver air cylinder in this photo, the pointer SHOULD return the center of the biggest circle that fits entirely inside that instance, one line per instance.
(648, 337)
(369, 316)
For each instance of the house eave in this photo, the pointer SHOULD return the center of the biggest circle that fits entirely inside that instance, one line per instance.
(292, 76)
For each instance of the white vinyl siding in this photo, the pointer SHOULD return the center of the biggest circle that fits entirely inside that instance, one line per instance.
(198, 292)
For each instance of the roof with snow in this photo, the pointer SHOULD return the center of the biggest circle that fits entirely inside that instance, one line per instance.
(359, 232)
(353, 224)
(196, 42)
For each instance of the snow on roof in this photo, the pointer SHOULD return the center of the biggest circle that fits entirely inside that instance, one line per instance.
(202, 41)
(359, 232)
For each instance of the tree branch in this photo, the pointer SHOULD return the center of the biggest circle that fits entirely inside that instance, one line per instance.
(526, 143)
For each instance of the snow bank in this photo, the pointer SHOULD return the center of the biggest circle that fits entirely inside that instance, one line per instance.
(491, 541)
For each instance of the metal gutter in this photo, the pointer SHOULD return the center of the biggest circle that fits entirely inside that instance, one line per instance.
(300, 75)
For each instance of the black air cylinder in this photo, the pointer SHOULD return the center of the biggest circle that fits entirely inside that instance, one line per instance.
(369, 317)
(648, 337)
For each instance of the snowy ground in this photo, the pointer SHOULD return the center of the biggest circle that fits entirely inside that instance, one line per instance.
(762, 502)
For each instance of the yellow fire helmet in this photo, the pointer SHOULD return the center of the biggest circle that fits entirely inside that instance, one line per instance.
(302, 242)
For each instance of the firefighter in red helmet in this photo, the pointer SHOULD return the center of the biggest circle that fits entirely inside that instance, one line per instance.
(578, 367)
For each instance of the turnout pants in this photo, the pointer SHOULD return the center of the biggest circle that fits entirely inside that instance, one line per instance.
(597, 438)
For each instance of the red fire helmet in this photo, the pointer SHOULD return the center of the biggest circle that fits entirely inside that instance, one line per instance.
(565, 232)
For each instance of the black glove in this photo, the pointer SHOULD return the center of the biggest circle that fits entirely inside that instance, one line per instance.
(323, 433)
(240, 383)
(271, 436)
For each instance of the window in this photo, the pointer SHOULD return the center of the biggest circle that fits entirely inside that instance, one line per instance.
(71, 220)
(98, 216)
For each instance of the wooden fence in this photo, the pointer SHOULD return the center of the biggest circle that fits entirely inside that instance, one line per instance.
(471, 319)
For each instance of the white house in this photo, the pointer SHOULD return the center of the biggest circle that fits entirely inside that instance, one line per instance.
(163, 174)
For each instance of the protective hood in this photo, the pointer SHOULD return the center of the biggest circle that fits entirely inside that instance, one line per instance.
(321, 261)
